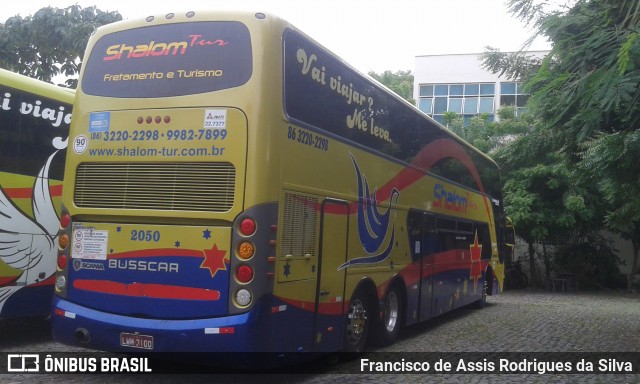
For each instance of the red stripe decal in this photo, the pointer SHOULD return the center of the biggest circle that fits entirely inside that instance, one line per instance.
(156, 291)
(27, 193)
(160, 252)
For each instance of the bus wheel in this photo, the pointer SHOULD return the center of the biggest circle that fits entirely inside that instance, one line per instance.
(357, 323)
(390, 317)
(483, 300)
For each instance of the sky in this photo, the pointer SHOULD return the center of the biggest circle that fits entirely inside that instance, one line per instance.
(375, 35)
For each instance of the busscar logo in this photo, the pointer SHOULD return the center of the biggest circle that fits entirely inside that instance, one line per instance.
(23, 363)
(153, 48)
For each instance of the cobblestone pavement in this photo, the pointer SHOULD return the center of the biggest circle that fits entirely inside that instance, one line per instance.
(516, 321)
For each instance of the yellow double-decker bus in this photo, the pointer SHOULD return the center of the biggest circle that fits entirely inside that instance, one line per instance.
(233, 186)
(34, 125)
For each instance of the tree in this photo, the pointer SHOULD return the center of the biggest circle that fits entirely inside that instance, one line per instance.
(400, 82)
(51, 42)
(587, 91)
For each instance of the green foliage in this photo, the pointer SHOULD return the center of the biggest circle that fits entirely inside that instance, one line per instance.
(512, 65)
(589, 81)
(400, 82)
(584, 150)
(611, 161)
(51, 42)
(594, 260)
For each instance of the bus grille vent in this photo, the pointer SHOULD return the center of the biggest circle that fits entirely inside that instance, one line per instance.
(300, 225)
(194, 186)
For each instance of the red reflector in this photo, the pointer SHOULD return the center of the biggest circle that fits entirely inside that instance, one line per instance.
(167, 119)
(140, 120)
(158, 119)
(244, 274)
(149, 119)
(58, 312)
(65, 220)
(247, 227)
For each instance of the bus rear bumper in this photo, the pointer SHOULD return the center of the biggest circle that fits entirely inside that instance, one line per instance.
(77, 325)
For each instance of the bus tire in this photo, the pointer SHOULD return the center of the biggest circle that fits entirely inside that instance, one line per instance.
(390, 319)
(483, 300)
(357, 322)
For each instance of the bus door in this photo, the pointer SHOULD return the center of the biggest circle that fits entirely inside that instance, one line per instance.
(427, 251)
(422, 238)
(334, 224)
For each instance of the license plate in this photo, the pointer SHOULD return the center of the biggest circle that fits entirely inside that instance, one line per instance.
(134, 340)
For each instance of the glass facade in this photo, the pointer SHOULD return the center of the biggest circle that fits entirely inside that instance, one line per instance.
(470, 99)
(511, 94)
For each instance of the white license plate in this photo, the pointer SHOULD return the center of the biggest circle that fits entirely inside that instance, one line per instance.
(134, 340)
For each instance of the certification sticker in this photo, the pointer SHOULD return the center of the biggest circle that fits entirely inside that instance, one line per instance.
(215, 118)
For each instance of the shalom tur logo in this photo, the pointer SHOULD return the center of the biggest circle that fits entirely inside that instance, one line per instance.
(153, 48)
(373, 225)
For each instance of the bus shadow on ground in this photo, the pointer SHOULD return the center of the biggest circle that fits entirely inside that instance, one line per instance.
(22, 332)
(431, 325)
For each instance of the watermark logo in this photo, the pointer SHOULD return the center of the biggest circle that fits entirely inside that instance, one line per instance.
(23, 363)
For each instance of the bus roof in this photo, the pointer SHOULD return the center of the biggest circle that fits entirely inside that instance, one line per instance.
(17, 81)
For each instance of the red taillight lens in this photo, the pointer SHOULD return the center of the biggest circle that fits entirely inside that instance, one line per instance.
(62, 261)
(244, 274)
(65, 220)
(247, 227)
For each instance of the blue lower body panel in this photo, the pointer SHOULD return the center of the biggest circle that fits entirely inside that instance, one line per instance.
(77, 325)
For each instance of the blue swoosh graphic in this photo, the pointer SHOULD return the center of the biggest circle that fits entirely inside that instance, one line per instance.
(372, 225)
(372, 259)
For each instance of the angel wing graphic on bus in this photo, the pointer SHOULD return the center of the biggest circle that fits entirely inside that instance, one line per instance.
(27, 244)
(373, 225)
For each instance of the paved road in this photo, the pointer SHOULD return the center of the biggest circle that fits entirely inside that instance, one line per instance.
(512, 322)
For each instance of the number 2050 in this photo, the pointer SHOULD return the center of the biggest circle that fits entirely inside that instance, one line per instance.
(145, 235)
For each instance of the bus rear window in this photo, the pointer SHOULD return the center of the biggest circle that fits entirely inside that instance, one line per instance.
(169, 60)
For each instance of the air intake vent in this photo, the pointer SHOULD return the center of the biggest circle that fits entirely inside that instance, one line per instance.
(300, 225)
(160, 186)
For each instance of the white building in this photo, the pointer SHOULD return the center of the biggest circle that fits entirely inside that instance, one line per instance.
(458, 83)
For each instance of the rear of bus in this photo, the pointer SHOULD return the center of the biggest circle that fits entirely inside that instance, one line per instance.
(169, 219)
(34, 126)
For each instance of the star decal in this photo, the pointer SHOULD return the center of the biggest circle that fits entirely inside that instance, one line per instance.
(214, 260)
(177, 243)
(287, 270)
(206, 234)
(476, 253)
(118, 229)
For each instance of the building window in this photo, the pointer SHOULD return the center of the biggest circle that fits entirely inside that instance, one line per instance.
(511, 94)
(467, 100)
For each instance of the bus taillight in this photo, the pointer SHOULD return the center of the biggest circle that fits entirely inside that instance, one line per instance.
(62, 261)
(247, 227)
(65, 220)
(246, 250)
(243, 297)
(63, 241)
(61, 283)
(244, 274)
